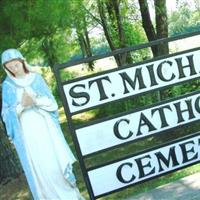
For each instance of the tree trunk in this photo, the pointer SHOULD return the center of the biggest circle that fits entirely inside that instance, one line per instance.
(106, 31)
(161, 25)
(88, 49)
(9, 163)
(48, 48)
(162, 32)
(115, 19)
(84, 43)
(161, 29)
(148, 25)
(81, 43)
(125, 57)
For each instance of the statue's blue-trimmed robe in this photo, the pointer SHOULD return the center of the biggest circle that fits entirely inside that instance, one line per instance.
(38, 139)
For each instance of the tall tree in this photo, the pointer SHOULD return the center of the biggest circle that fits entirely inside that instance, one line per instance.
(23, 21)
(112, 24)
(158, 32)
(80, 23)
(161, 29)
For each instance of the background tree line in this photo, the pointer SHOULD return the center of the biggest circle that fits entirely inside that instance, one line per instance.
(54, 31)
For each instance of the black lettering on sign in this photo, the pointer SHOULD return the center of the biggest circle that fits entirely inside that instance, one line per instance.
(118, 133)
(188, 110)
(152, 75)
(137, 77)
(161, 112)
(160, 71)
(144, 166)
(142, 163)
(144, 121)
(186, 151)
(79, 95)
(114, 85)
(190, 66)
(136, 125)
(119, 173)
(172, 156)
(101, 90)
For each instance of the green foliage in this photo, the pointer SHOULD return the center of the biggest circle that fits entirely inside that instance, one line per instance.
(185, 88)
(184, 20)
(66, 75)
(39, 28)
(135, 35)
(48, 17)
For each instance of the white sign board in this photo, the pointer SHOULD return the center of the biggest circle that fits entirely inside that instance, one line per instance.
(96, 90)
(145, 166)
(132, 126)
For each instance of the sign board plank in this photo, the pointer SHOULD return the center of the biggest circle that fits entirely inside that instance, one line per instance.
(134, 125)
(145, 166)
(119, 84)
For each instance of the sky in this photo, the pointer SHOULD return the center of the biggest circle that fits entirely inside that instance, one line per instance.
(171, 5)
